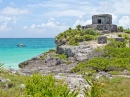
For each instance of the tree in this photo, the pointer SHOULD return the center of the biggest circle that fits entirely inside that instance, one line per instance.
(78, 27)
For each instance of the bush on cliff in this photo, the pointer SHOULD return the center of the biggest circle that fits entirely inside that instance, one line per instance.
(62, 56)
(74, 36)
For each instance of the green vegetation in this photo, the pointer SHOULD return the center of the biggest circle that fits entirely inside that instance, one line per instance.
(116, 57)
(127, 31)
(94, 91)
(126, 36)
(115, 87)
(120, 29)
(11, 88)
(104, 87)
(119, 35)
(54, 55)
(74, 36)
(48, 52)
(36, 86)
(1, 65)
(68, 62)
(47, 86)
(62, 56)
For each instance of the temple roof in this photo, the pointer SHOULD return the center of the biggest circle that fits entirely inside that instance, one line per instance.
(109, 15)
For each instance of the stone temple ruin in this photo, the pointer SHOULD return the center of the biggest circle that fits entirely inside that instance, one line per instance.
(102, 22)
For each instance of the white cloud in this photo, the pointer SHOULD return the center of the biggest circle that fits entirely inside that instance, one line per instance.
(88, 22)
(4, 27)
(33, 26)
(14, 11)
(25, 27)
(107, 7)
(51, 20)
(49, 4)
(8, 19)
(125, 22)
(68, 12)
(81, 21)
(122, 6)
(50, 28)
(114, 19)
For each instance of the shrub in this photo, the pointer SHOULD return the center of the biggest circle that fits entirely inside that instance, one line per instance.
(94, 90)
(63, 56)
(119, 35)
(95, 63)
(120, 29)
(116, 44)
(91, 31)
(74, 36)
(78, 27)
(46, 86)
(88, 37)
(127, 31)
(126, 36)
(112, 52)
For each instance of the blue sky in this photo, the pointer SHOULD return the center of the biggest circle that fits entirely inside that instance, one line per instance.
(47, 18)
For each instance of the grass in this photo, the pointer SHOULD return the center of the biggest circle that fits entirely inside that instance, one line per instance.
(116, 87)
(14, 89)
(105, 87)
(36, 86)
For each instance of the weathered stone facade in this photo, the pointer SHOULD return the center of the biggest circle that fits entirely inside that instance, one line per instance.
(102, 19)
(102, 22)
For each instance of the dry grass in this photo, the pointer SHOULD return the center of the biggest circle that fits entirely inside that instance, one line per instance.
(116, 87)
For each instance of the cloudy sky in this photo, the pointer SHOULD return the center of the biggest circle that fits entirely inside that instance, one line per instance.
(47, 18)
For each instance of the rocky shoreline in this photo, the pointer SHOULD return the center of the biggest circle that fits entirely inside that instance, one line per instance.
(59, 67)
(49, 62)
(55, 65)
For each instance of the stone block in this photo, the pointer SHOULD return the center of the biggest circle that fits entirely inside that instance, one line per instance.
(102, 40)
(120, 39)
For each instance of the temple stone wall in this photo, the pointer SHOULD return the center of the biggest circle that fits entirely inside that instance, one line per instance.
(102, 22)
(102, 19)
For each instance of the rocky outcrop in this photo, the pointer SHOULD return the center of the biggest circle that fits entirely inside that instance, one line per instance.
(75, 82)
(49, 64)
(50, 61)
(102, 39)
(32, 62)
(59, 42)
(83, 51)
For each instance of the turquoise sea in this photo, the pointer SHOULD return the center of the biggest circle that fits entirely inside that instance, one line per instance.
(11, 55)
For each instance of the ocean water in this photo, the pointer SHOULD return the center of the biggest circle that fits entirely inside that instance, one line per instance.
(11, 55)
